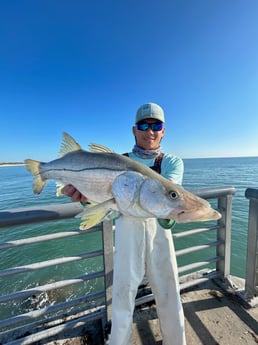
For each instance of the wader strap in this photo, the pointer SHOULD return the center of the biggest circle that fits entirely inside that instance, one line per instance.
(157, 164)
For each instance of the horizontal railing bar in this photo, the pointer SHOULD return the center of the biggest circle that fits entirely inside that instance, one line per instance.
(100, 313)
(44, 238)
(197, 248)
(33, 315)
(39, 214)
(150, 297)
(49, 263)
(194, 231)
(193, 282)
(144, 299)
(216, 192)
(48, 287)
(37, 239)
(198, 264)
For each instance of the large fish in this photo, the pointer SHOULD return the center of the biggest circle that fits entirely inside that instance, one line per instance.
(113, 182)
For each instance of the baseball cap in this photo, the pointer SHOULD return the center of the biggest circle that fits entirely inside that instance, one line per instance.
(150, 111)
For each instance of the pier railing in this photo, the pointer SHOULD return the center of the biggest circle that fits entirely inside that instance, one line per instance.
(251, 281)
(208, 257)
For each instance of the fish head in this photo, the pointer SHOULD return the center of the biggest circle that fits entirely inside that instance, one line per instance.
(195, 209)
(126, 190)
(170, 201)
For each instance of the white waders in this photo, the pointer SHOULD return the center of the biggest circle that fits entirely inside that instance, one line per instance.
(142, 247)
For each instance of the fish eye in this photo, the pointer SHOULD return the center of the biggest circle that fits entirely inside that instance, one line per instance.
(173, 195)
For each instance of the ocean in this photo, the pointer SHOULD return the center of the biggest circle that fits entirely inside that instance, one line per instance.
(16, 191)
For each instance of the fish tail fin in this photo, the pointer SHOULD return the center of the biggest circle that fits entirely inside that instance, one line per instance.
(33, 167)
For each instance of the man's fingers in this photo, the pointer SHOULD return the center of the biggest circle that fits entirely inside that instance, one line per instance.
(74, 194)
(68, 190)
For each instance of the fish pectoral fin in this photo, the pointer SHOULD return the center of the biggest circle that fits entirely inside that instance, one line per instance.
(68, 145)
(97, 213)
(112, 215)
(92, 220)
(99, 148)
(33, 167)
(59, 187)
(92, 208)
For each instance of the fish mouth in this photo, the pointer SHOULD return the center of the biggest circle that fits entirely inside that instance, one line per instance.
(184, 216)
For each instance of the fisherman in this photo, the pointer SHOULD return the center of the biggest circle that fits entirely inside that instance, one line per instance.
(144, 246)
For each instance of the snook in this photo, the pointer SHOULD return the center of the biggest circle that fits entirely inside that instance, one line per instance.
(114, 182)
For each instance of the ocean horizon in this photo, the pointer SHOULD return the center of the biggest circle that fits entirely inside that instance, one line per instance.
(211, 157)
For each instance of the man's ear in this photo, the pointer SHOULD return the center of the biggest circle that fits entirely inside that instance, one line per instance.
(134, 133)
(163, 133)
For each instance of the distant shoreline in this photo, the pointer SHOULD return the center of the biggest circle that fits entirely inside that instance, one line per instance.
(10, 164)
(13, 164)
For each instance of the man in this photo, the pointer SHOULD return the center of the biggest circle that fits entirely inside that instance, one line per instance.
(145, 246)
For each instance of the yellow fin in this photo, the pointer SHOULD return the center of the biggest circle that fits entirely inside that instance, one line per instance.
(93, 219)
(99, 148)
(33, 167)
(94, 213)
(59, 187)
(68, 145)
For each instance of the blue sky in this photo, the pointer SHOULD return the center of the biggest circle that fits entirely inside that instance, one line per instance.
(84, 67)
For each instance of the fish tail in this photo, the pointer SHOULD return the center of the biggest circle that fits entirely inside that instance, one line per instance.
(33, 167)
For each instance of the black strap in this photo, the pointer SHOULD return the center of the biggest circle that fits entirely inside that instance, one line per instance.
(157, 164)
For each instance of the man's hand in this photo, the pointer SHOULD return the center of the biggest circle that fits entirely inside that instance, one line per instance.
(74, 194)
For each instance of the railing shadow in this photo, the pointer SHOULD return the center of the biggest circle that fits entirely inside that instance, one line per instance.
(200, 327)
(228, 305)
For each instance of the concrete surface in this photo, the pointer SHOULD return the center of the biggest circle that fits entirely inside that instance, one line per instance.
(212, 317)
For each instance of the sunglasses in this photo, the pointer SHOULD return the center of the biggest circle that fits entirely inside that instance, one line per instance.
(144, 126)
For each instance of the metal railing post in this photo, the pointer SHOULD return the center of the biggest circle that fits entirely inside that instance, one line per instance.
(251, 280)
(224, 235)
(107, 237)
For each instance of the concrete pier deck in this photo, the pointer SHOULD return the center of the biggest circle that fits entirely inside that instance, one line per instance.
(212, 317)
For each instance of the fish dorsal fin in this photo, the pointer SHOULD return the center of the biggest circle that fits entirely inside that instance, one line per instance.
(68, 145)
(99, 148)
